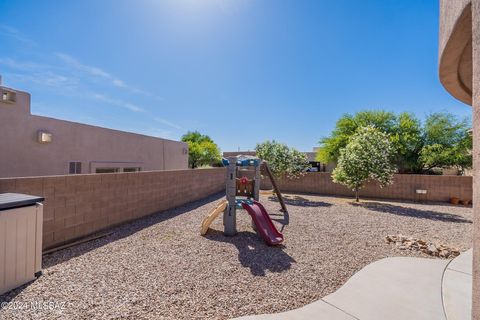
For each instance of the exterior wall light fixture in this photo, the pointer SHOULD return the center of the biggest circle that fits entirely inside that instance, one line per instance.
(44, 137)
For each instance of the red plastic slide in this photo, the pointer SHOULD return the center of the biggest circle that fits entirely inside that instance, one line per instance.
(263, 222)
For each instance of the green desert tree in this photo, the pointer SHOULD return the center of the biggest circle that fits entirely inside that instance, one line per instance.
(407, 140)
(347, 126)
(448, 142)
(404, 132)
(367, 156)
(442, 141)
(201, 149)
(284, 162)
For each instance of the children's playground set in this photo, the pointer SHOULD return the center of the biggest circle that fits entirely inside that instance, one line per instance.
(243, 193)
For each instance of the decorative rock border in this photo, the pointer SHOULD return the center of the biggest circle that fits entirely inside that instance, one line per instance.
(408, 243)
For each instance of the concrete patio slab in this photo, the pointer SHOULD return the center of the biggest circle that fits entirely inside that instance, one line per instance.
(394, 288)
(316, 310)
(457, 288)
(462, 263)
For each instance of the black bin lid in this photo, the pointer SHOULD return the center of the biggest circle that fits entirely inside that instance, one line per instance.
(17, 200)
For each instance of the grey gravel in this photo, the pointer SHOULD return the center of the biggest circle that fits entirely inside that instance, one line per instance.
(160, 267)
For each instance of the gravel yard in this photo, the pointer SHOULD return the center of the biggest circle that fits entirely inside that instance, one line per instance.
(161, 268)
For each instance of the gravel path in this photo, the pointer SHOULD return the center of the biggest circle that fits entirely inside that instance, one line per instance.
(160, 268)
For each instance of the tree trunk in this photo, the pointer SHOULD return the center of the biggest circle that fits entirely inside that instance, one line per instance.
(357, 198)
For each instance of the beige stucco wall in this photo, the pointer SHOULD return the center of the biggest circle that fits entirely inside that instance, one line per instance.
(476, 157)
(455, 50)
(459, 61)
(22, 155)
(450, 10)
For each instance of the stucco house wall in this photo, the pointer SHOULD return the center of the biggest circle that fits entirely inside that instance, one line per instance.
(459, 61)
(21, 153)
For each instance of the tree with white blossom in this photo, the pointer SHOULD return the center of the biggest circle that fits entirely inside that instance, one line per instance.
(284, 161)
(367, 156)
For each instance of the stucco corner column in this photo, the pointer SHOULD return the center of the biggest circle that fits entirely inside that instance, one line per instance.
(476, 157)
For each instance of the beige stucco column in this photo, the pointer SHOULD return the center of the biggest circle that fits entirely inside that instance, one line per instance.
(459, 71)
(476, 156)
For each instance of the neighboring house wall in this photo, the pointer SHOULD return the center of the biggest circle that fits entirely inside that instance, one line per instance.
(329, 167)
(404, 186)
(238, 153)
(311, 156)
(79, 205)
(21, 153)
(459, 63)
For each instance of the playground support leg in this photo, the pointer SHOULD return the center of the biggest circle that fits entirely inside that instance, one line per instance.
(275, 187)
(229, 221)
(256, 186)
(230, 215)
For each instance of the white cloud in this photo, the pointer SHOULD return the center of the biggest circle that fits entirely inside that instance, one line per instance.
(168, 123)
(119, 83)
(154, 132)
(100, 73)
(11, 32)
(71, 78)
(40, 74)
(117, 102)
(94, 71)
(47, 78)
(24, 66)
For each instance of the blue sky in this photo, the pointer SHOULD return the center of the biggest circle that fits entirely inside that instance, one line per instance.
(241, 71)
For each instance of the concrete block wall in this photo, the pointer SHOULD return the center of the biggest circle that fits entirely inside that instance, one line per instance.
(439, 188)
(78, 205)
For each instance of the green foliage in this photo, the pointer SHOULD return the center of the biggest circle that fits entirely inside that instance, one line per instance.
(445, 129)
(282, 160)
(348, 125)
(414, 150)
(406, 138)
(201, 149)
(448, 142)
(367, 156)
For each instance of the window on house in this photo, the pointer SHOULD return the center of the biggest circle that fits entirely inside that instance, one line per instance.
(107, 170)
(132, 169)
(75, 168)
